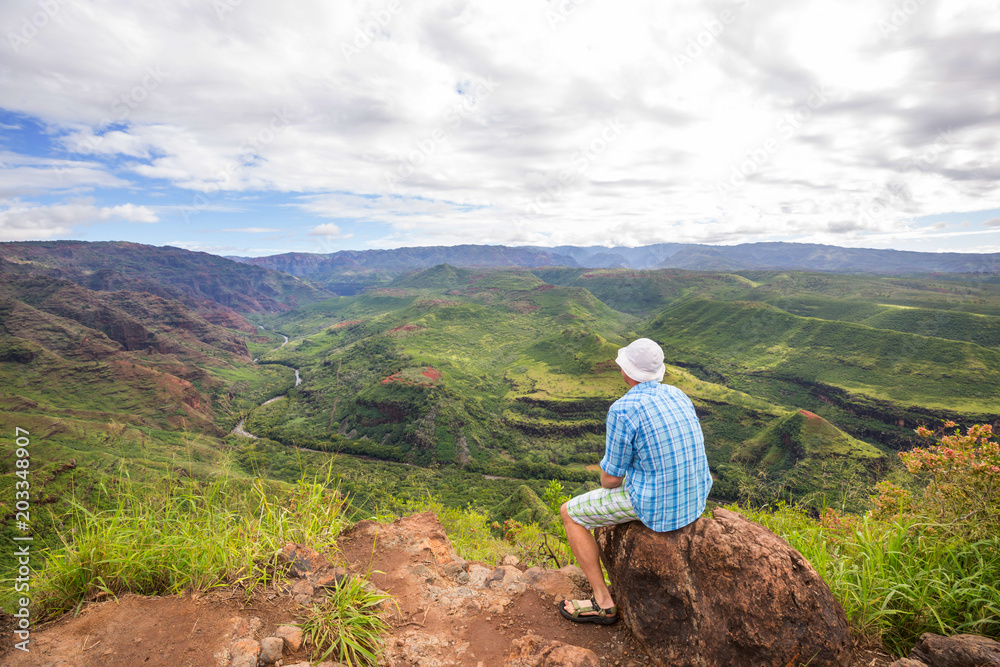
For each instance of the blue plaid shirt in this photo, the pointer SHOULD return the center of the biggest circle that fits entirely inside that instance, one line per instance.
(655, 442)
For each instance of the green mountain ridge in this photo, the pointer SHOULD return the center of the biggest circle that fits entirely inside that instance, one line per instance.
(746, 256)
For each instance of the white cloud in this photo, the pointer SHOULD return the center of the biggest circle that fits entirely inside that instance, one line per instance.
(26, 175)
(251, 230)
(458, 120)
(114, 142)
(23, 222)
(328, 230)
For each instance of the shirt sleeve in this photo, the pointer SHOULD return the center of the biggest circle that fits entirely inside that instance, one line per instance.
(620, 446)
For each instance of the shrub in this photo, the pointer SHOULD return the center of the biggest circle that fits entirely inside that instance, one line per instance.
(962, 492)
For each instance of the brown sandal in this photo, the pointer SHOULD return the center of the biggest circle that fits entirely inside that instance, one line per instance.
(602, 617)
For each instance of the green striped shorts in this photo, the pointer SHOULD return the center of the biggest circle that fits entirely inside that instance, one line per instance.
(601, 507)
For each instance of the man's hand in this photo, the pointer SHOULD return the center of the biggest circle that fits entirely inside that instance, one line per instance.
(610, 481)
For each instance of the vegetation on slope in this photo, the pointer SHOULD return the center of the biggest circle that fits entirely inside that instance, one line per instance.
(191, 277)
(803, 456)
(759, 348)
(926, 558)
(475, 375)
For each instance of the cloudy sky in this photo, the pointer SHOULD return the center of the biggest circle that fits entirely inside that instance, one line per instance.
(253, 127)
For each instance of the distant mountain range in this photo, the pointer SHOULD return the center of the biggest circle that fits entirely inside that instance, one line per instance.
(218, 288)
(748, 256)
(213, 286)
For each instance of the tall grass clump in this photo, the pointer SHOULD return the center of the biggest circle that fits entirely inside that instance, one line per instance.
(347, 625)
(188, 535)
(923, 560)
(897, 579)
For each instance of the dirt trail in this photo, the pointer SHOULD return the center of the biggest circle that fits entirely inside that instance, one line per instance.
(170, 631)
(437, 619)
(439, 623)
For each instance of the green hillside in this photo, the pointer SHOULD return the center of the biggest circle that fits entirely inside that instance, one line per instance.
(426, 371)
(806, 457)
(491, 371)
(643, 292)
(502, 373)
(975, 328)
(482, 393)
(833, 368)
(112, 384)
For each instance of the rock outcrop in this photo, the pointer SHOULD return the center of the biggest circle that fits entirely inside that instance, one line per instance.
(956, 651)
(534, 651)
(722, 591)
(449, 612)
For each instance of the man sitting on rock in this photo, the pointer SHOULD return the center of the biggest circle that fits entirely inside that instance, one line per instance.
(654, 469)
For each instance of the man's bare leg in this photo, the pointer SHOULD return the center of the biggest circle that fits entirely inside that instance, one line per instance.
(584, 547)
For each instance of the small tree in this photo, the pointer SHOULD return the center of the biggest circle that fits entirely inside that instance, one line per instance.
(962, 472)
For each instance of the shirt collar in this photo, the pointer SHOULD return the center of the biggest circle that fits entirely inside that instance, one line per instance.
(644, 386)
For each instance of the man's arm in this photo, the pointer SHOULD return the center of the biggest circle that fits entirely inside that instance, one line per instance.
(618, 449)
(610, 481)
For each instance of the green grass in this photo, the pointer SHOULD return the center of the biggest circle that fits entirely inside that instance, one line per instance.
(972, 327)
(806, 458)
(186, 536)
(348, 624)
(897, 580)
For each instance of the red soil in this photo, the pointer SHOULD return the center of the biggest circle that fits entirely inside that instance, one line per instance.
(430, 373)
(174, 631)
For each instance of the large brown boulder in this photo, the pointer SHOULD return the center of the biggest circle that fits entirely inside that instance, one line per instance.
(722, 591)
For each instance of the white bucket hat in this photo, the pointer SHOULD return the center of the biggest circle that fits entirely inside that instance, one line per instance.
(642, 360)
